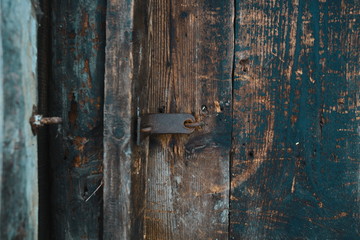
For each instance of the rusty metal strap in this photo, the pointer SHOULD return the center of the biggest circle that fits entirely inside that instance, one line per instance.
(167, 123)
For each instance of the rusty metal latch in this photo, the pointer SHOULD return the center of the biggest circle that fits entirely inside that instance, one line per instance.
(166, 123)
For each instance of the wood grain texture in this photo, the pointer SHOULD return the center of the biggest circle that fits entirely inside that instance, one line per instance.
(119, 72)
(190, 54)
(18, 91)
(295, 168)
(76, 95)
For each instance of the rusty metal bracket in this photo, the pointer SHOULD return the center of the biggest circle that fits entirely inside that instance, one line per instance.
(166, 123)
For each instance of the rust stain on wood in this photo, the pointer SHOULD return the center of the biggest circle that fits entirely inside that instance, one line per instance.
(79, 161)
(87, 71)
(84, 23)
(79, 143)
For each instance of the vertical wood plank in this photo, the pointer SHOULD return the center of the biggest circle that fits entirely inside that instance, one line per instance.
(140, 46)
(44, 163)
(295, 170)
(2, 126)
(76, 95)
(18, 180)
(118, 112)
(190, 55)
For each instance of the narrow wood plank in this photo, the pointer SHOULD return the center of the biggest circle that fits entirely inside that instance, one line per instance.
(295, 171)
(2, 126)
(119, 72)
(190, 55)
(18, 91)
(44, 163)
(76, 95)
(139, 152)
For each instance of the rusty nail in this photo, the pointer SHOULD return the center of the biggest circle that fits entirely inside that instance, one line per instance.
(50, 120)
(37, 121)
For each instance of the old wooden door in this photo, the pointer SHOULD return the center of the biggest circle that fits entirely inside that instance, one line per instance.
(275, 84)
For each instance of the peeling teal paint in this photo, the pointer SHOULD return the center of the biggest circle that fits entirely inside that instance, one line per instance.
(307, 184)
(19, 191)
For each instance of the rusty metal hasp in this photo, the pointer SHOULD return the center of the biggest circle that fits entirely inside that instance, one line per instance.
(166, 123)
(163, 123)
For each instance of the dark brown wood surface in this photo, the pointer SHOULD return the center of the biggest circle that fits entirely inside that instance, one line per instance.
(190, 46)
(295, 170)
(170, 57)
(276, 84)
(44, 74)
(76, 94)
(282, 121)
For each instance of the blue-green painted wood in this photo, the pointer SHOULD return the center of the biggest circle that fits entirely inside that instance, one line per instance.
(76, 94)
(18, 93)
(295, 169)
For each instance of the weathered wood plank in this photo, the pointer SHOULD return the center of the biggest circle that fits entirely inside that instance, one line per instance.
(295, 170)
(140, 77)
(44, 163)
(2, 126)
(18, 91)
(76, 95)
(118, 113)
(190, 55)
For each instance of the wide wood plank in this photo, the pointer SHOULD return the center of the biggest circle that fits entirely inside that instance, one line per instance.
(76, 95)
(190, 55)
(295, 168)
(18, 94)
